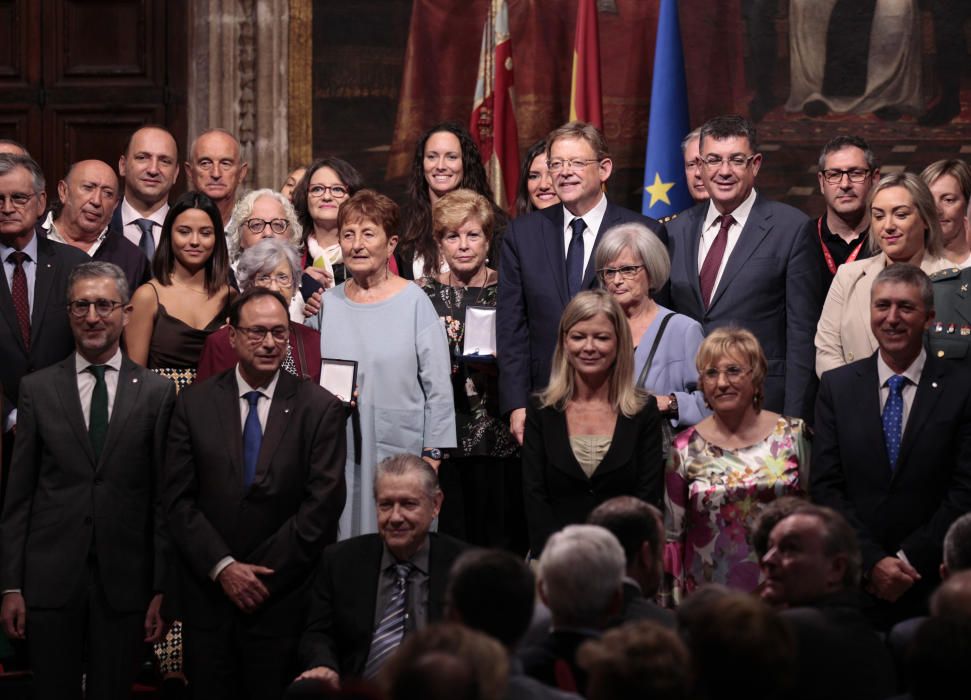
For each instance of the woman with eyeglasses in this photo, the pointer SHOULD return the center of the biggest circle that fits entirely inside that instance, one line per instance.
(633, 265)
(274, 264)
(723, 471)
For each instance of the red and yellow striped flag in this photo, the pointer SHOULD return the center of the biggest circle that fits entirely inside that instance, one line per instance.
(585, 101)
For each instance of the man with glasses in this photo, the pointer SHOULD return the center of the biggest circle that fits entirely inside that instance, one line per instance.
(546, 259)
(254, 489)
(84, 547)
(740, 259)
(847, 171)
(217, 169)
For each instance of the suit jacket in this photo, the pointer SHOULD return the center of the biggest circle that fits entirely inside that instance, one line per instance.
(911, 507)
(61, 501)
(119, 250)
(218, 355)
(556, 490)
(553, 661)
(843, 334)
(637, 607)
(533, 293)
(772, 285)
(341, 624)
(283, 521)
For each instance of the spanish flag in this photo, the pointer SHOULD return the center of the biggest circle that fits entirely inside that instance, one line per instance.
(585, 102)
(493, 120)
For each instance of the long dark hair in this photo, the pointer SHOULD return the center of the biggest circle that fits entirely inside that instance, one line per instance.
(348, 175)
(217, 266)
(524, 204)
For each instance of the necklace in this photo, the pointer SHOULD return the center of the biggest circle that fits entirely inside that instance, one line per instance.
(455, 328)
(176, 283)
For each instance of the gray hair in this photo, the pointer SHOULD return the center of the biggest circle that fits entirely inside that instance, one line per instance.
(693, 134)
(15, 144)
(642, 242)
(264, 258)
(403, 464)
(838, 143)
(242, 212)
(923, 202)
(905, 273)
(581, 569)
(98, 269)
(957, 545)
(9, 161)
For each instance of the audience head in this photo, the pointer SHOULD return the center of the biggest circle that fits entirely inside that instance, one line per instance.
(957, 547)
(149, 166)
(368, 233)
(325, 186)
(692, 165)
(904, 223)
(639, 527)
(535, 189)
(192, 237)
(290, 184)
(271, 263)
(813, 552)
(581, 574)
(847, 170)
(730, 160)
(774, 511)
(901, 309)
(952, 599)
(98, 309)
(259, 215)
(216, 167)
(259, 328)
(939, 658)
(24, 199)
(492, 591)
(638, 660)
(632, 264)
(408, 500)
(14, 148)
(580, 165)
(731, 370)
(88, 194)
(950, 184)
(462, 223)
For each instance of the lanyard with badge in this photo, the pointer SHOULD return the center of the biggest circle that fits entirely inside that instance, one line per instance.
(830, 263)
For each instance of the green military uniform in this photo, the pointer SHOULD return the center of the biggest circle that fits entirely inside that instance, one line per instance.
(949, 335)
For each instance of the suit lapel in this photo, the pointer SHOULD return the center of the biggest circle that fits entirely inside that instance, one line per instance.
(7, 310)
(696, 219)
(228, 417)
(126, 400)
(756, 228)
(610, 218)
(562, 455)
(928, 392)
(46, 269)
(67, 394)
(552, 233)
(277, 422)
(862, 311)
(869, 411)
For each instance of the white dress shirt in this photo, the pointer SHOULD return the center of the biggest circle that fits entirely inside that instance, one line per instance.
(54, 235)
(87, 382)
(130, 228)
(709, 231)
(592, 219)
(909, 390)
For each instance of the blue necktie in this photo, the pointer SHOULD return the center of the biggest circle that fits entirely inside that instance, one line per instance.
(252, 439)
(893, 418)
(574, 258)
(391, 629)
(147, 240)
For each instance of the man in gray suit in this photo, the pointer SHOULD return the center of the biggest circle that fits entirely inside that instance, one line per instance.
(82, 543)
(742, 259)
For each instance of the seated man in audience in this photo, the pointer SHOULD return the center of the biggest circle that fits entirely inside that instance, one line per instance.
(639, 527)
(812, 572)
(938, 660)
(372, 590)
(581, 575)
(216, 168)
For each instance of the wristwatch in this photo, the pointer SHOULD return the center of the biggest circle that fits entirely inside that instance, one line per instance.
(672, 409)
(432, 453)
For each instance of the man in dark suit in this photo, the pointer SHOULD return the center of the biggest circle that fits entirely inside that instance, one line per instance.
(546, 259)
(34, 330)
(893, 447)
(88, 195)
(742, 259)
(83, 550)
(371, 590)
(254, 489)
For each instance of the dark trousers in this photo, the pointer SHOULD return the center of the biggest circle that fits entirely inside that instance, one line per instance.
(59, 640)
(230, 662)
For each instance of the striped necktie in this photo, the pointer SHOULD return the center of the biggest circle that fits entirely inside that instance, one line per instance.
(391, 629)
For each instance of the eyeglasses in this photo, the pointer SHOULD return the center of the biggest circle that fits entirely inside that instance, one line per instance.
(281, 278)
(103, 307)
(559, 164)
(255, 334)
(835, 177)
(276, 225)
(733, 373)
(336, 191)
(18, 199)
(736, 162)
(627, 272)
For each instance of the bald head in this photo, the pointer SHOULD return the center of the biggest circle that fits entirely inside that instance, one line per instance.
(149, 167)
(215, 167)
(88, 194)
(952, 600)
(13, 148)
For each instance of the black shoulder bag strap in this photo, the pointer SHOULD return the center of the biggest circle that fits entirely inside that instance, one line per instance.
(650, 357)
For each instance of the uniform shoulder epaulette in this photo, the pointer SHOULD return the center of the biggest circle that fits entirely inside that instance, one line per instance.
(669, 217)
(945, 274)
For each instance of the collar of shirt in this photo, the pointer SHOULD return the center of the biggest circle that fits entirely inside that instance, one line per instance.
(419, 560)
(267, 390)
(82, 364)
(592, 218)
(54, 235)
(835, 238)
(128, 213)
(912, 373)
(740, 214)
(30, 249)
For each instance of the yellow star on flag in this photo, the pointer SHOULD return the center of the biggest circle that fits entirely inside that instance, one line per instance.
(659, 191)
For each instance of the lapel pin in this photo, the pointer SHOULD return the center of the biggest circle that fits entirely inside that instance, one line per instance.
(965, 330)
(964, 287)
(934, 384)
(135, 380)
(939, 328)
(950, 328)
(286, 410)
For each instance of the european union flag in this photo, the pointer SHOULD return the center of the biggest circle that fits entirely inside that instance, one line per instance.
(665, 189)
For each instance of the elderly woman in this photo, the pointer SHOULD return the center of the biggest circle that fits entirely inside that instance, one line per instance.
(591, 434)
(275, 264)
(950, 183)
(390, 328)
(633, 264)
(905, 226)
(535, 189)
(723, 471)
(481, 478)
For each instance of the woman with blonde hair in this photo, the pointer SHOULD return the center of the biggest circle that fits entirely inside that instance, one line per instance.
(590, 435)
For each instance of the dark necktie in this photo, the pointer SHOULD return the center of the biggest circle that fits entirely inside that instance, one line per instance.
(252, 439)
(391, 629)
(147, 241)
(98, 414)
(18, 291)
(893, 418)
(574, 258)
(709, 270)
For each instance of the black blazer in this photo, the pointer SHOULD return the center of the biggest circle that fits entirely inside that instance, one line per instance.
(283, 521)
(556, 490)
(533, 293)
(338, 632)
(129, 257)
(61, 500)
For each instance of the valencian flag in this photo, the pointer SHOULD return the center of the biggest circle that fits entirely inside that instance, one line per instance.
(493, 120)
(665, 189)
(585, 102)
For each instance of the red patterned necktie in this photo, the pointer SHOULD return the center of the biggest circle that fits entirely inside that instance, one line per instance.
(18, 291)
(709, 270)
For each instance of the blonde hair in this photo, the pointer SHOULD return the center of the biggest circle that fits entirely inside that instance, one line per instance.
(623, 395)
(732, 340)
(923, 201)
(457, 207)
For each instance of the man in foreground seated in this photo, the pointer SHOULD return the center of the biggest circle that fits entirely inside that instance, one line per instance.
(371, 591)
